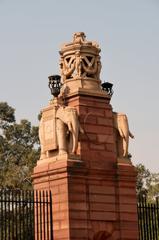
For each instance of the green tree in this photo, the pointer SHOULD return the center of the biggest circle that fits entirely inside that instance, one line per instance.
(19, 149)
(153, 188)
(143, 179)
(147, 183)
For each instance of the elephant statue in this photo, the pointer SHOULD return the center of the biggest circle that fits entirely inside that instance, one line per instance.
(67, 123)
(123, 134)
(60, 132)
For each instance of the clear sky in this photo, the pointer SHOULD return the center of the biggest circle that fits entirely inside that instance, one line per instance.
(32, 31)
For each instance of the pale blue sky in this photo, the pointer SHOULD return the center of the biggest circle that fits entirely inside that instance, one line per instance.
(127, 31)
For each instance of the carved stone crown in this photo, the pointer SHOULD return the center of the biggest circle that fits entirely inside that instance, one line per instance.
(80, 64)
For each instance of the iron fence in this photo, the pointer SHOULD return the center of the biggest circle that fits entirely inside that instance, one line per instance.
(148, 219)
(25, 215)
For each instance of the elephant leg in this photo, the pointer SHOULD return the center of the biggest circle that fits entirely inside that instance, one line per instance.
(75, 140)
(125, 146)
(61, 136)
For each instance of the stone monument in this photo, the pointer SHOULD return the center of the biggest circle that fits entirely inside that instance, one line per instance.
(84, 152)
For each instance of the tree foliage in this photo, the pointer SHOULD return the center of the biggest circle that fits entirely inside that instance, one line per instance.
(147, 183)
(19, 149)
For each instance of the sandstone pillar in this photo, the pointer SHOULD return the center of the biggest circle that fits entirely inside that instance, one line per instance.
(94, 187)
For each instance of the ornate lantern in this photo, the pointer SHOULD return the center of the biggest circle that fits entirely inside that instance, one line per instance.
(55, 84)
(107, 86)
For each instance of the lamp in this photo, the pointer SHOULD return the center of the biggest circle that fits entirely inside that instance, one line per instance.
(107, 86)
(55, 84)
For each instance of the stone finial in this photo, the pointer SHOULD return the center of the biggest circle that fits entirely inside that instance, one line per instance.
(79, 37)
(80, 64)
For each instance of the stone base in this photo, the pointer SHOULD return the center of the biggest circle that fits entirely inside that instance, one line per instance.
(89, 203)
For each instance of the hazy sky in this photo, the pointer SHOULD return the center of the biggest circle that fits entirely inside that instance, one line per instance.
(32, 31)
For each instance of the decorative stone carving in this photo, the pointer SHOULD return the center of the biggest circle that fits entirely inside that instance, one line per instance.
(79, 37)
(123, 134)
(58, 132)
(80, 64)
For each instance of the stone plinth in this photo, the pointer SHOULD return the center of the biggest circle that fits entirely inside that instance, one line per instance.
(94, 191)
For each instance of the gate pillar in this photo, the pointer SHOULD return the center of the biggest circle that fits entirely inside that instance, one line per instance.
(89, 172)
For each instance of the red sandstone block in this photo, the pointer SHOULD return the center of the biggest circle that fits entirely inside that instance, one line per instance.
(100, 198)
(108, 113)
(80, 188)
(63, 206)
(103, 138)
(105, 164)
(80, 206)
(116, 235)
(103, 216)
(74, 103)
(102, 207)
(91, 137)
(78, 238)
(78, 224)
(96, 111)
(83, 110)
(58, 174)
(56, 207)
(56, 225)
(109, 190)
(128, 184)
(81, 233)
(60, 198)
(108, 156)
(129, 235)
(104, 121)
(84, 146)
(98, 129)
(94, 181)
(76, 179)
(58, 181)
(111, 147)
(61, 233)
(89, 118)
(40, 186)
(129, 225)
(128, 216)
(64, 224)
(97, 146)
(98, 156)
(73, 214)
(41, 168)
(92, 98)
(111, 181)
(127, 191)
(128, 208)
(62, 215)
(55, 189)
(58, 165)
(77, 197)
(63, 188)
(128, 199)
(92, 101)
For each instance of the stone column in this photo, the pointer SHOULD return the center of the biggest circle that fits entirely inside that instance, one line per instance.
(93, 190)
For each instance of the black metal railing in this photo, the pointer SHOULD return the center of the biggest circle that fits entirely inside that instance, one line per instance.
(148, 219)
(25, 215)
